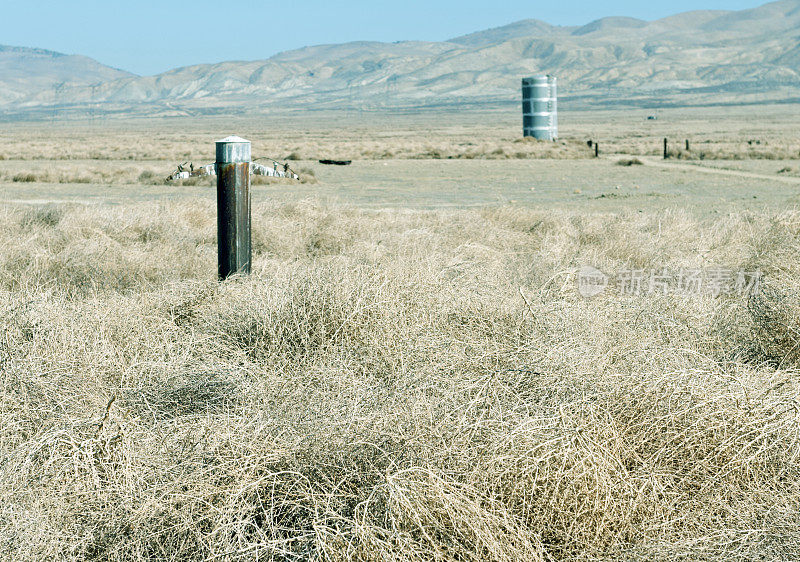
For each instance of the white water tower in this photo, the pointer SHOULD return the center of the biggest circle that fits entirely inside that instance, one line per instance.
(539, 107)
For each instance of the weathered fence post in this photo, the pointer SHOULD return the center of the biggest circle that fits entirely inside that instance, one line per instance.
(596, 149)
(233, 206)
(666, 151)
(687, 145)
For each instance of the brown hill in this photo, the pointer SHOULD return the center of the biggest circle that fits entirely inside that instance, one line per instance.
(691, 58)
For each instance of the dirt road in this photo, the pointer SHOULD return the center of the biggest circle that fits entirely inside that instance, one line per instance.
(692, 167)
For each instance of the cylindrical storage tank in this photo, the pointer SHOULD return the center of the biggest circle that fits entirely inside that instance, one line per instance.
(539, 113)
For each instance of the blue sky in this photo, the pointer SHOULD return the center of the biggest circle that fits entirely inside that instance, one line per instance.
(148, 37)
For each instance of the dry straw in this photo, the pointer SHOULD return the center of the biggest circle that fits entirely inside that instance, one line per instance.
(393, 385)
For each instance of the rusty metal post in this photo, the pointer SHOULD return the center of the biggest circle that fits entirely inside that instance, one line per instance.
(233, 206)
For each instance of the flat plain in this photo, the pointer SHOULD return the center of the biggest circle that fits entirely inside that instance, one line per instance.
(411, 372)
(452, 160)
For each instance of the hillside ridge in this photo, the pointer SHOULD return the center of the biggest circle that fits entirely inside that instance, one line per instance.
(694, 57)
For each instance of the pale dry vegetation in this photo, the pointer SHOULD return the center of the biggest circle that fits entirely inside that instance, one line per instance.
(713, 147)
(737, 151)
(394, 386)
(476, 144)
(746, 133)
(437, 148)
(115, 173)
(292, 145)
(629, 162)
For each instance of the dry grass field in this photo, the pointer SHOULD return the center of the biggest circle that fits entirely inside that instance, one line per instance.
(410, 373)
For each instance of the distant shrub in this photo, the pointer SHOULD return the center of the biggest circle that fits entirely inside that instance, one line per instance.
(630, 162)
(24, 178)
(307, 175)
(48, 216)
(75, 179)
(198, 180)
(149, 177)
(264, 180)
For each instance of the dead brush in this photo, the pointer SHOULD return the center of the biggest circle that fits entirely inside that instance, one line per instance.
(27, 178)
(150, 177)
(765, 328)
(432, 517)
(89, 251)
(47, 216)
(775, 332)
(311, 317)
(199, 181)
(187, 309)
(272, 180)
(199, 393)
(629, 162)
(308, 175)
(432, 389)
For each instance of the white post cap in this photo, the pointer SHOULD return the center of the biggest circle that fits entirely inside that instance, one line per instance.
(233, 149)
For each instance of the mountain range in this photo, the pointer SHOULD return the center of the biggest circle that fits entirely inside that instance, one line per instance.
(700, 57)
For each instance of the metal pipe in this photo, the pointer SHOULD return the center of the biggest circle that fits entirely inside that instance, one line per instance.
(233, 206)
